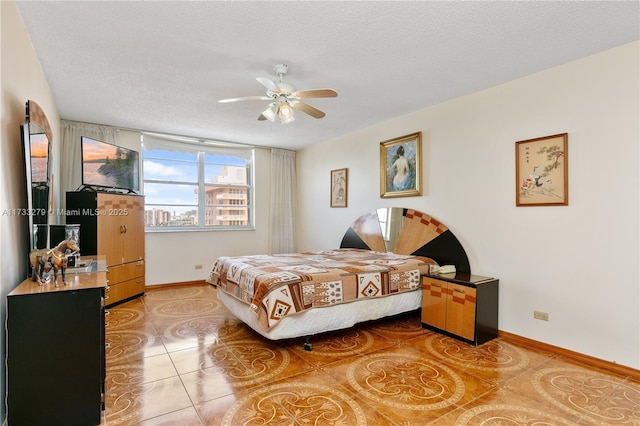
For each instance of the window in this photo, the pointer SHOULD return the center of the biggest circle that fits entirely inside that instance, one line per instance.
(190, 184)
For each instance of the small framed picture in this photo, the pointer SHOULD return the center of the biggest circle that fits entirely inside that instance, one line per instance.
(541, 171)
(339, 187)
(400, 168)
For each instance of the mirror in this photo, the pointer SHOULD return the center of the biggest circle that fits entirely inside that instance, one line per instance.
(407, 231)
(36, 142)
(390, 219)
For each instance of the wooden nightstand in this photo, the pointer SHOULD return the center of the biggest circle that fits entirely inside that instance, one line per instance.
(461, 305)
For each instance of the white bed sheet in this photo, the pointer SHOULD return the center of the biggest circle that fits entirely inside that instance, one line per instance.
(329, 318)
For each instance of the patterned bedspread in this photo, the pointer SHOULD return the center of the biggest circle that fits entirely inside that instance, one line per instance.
(274, 286)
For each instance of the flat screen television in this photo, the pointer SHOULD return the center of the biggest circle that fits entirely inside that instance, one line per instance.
(108, 166)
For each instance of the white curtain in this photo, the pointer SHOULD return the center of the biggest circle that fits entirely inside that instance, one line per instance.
(71, 162)
(283, 201)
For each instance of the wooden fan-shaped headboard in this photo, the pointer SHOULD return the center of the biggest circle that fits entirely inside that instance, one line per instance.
(406, 231)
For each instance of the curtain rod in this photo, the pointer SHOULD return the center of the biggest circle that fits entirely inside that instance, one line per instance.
(194, 141)
(192, 138)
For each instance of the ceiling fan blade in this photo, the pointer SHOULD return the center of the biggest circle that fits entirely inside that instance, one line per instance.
(314, 93)
(270, 85)
(312, 111)
(245, 98)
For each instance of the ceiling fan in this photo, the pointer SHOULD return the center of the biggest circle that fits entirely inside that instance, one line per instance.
(284, 98)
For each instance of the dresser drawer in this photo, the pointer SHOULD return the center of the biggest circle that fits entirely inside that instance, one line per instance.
(125, 272)
(124, 290)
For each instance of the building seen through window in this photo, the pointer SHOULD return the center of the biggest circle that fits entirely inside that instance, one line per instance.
(227, 205)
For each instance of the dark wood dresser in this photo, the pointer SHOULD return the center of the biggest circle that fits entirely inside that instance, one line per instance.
(56, 350)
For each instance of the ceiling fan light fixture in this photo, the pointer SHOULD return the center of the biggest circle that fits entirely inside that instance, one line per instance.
(285, 113)
(270, 112)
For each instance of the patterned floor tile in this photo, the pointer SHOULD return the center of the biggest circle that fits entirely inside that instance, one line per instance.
(337, 346)
(621, 406)
(177, 308)
(502, 414)
(495, 361)
(176, 356)
(303, 400)
(126, 346)
(189, 331)
(589, 394)
(153, 368)
(185, 417)
(241, 364)
(192, 359)
(130, 317)
(400, 328)
(404, 385)
(130, 404)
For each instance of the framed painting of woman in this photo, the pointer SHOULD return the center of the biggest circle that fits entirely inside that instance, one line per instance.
(400, 168)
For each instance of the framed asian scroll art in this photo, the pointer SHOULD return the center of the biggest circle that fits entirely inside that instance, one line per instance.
(339, 187)
(541, 171)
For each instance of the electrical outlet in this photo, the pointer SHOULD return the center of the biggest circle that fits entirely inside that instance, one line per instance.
(198, 266)
(544, 316)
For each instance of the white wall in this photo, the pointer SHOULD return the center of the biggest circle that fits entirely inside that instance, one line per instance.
(171, 257)
(579, 263)
(21, 79)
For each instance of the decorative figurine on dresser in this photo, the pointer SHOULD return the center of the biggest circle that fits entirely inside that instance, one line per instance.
(43, 260)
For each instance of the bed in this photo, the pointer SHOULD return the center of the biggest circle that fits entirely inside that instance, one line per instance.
(374, 273)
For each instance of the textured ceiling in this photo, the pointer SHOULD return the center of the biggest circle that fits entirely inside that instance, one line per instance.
(162, 66)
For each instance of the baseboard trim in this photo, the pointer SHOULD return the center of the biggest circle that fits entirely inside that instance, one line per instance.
(622, 370)
(178, 284)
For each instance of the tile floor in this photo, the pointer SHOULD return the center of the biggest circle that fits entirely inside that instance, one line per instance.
(177, 357)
